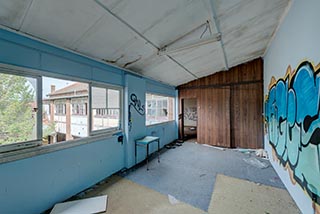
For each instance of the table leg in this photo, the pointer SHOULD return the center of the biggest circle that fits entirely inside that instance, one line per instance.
(135, 152)
(158, 151)
(147, 156)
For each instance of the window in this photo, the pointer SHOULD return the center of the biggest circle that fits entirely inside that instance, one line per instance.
(68, 100)
(18, 111)
(60, 109)
(79, 109)
(37, 110)
(106, 112)
(159, 109)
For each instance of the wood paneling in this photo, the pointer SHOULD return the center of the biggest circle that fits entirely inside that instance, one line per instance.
(247, 116)
(229, 106)
(214, 119)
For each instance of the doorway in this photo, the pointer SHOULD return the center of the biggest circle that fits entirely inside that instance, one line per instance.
(190, 118)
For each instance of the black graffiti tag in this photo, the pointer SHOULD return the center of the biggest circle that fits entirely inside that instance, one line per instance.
(136, 103)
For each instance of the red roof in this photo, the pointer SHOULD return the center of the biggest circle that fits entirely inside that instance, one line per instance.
(75, 87)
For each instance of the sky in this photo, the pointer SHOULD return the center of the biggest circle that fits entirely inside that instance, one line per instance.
(47, 82)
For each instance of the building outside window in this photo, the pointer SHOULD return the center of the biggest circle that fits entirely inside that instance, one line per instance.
(105, 108)
(159, 109)
(60, 109)
(69, 110)
(79, 109)
(65, 110)
(69, 100)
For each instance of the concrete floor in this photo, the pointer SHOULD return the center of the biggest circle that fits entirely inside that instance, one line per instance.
(188, 172)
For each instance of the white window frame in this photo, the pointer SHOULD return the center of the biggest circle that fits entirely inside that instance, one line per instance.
(38, 140)
(106, 130)
(16, 151)
(162, 95)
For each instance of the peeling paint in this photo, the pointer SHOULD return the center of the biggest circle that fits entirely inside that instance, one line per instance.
(131, 62)
(246, 27)
(113, 61)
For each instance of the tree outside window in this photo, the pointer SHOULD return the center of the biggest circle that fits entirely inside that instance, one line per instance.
(17, 108)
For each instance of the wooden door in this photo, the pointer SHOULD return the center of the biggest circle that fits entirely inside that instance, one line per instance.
(214, 117)
(247, 122)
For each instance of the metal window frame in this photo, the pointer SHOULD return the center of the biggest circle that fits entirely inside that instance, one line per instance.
(121, 101)
(162, 95)
(21, 150)
(38, 140)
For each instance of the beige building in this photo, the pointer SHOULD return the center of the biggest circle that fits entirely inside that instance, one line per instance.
(66, 110)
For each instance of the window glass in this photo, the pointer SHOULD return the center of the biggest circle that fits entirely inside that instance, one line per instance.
(64, 114)
(105, 108)
(159, 109)
(18, 109)
(113, 98)
(64, 106)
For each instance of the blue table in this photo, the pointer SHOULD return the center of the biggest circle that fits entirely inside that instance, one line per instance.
(145, 142)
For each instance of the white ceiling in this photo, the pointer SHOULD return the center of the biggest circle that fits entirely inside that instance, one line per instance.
(130, 33)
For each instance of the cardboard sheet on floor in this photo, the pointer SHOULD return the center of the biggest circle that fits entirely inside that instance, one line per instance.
(82, 206)
(233, 195)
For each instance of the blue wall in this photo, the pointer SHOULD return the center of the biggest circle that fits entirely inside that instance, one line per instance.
(35, 184)
(134, 86)
(292, 107)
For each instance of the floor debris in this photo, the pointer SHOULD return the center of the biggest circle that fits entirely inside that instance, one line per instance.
(174, 144)
(82, 206)
(274, 179)
(215, 147)
(245, 151)
(261, 153)
(186, 167)
(173, 200)
(248, 197)
(256, 163)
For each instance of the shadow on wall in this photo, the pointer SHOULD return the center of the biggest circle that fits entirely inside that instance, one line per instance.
(293, 126)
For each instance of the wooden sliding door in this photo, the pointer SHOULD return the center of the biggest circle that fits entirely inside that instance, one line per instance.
(214, 117)
(229, 106)
(246, 115)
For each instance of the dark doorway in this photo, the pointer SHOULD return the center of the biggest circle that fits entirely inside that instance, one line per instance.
(190, 118)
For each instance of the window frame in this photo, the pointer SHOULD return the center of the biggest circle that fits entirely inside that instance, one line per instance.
(38, 141)
(155, 108)
(20, 150)
(121, 116)
(60, 109)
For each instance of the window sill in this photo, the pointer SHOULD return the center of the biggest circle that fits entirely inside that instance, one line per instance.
(162, 123)
(44, 149)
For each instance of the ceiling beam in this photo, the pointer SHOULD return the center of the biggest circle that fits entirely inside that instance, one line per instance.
(185, 35)
(189, 45)
(126, 24)
(217, 26)
(142, 36)
(182, 66)
(25, 15)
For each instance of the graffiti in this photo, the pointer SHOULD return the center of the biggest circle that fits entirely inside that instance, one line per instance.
(136, 103)
(293, 125)
(191, 114)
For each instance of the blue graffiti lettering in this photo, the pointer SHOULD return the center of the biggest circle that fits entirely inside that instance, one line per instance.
(293, 124)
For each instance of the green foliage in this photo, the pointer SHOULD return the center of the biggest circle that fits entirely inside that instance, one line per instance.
(48, 130)
(17, 121)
